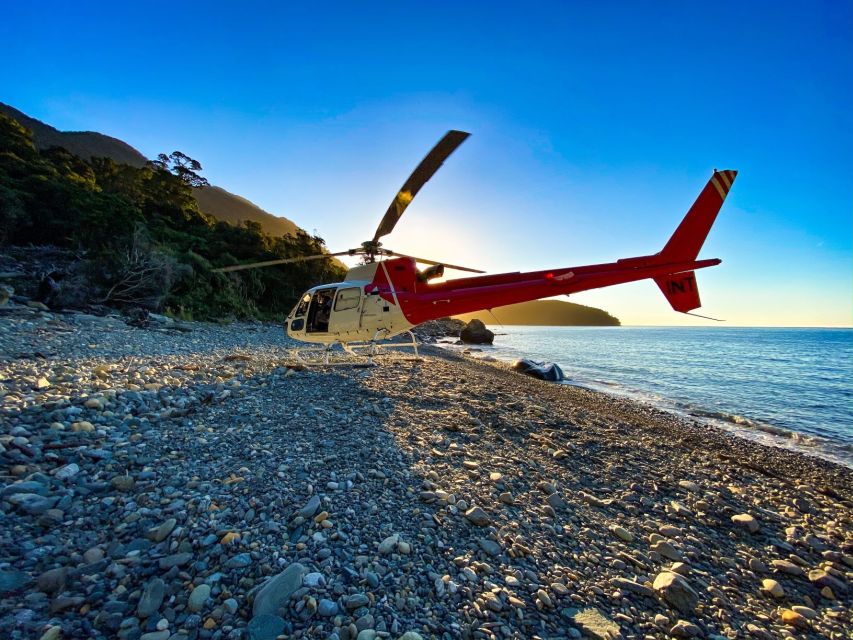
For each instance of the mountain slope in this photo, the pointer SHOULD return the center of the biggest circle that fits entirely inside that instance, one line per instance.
(214, 201)
(552, 313)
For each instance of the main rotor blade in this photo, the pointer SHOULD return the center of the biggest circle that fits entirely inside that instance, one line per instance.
(425, 261)
(271, 263)
(424, 171)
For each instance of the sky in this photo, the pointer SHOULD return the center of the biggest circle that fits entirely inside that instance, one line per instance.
(594, 127)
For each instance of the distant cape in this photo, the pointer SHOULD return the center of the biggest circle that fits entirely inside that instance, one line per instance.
(551, 313)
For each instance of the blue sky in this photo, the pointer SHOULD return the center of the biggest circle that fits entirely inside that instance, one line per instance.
(594, 127)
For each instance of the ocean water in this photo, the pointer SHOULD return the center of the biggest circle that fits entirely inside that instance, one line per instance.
(785, 387)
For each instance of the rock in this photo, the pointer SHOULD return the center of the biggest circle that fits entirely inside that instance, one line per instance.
(543, 597)
(634, 587)
(13, 581)
(93, 555)
(265, 627)
(822, 579)
(746, 521)
(327, 608)
(506, 498)
(595, 625)
(198, 597)
(684, 629)
(84, 426)
(162, 532)
(175, 560)
(52, 633)
(240, 561)
(793, 619)
(389, 544)
(475, 332)
(806, 612)
(276, 591)
(786, 566)
(411, 635)
(622, 533)
(310, 507)
(67, 472)
(478, 517)
(152, 598)
(313, 579)
(356, 601)
(31, 503)
(52, 581)
(42, 383)
(772, 588)
(555, 500)
(491, 547)
(123, 483)
(676, 591)
(667, 550)
(156, 635)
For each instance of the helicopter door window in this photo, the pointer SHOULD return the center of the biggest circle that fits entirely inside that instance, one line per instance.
(320, 311)
(347, 299)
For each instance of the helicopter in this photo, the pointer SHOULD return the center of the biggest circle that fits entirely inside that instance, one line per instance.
(388, 295)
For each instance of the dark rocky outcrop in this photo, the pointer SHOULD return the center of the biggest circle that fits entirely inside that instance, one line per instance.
(475, 332)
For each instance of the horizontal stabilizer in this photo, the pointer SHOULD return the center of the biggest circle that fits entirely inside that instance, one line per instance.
(680, 290)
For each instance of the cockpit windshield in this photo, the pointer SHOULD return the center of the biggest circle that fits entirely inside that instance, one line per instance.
(302, 306)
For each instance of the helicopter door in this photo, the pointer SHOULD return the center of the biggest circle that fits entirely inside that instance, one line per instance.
(320, 311)
(345, 314)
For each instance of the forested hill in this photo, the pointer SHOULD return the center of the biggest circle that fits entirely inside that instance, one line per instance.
(213, 201)
(133, 236)
(552, 313)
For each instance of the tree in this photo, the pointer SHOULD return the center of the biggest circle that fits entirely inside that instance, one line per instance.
(183, 166)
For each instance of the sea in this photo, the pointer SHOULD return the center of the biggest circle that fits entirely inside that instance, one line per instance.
(784, 387)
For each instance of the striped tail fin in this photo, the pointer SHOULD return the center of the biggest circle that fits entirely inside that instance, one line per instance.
(685, 243)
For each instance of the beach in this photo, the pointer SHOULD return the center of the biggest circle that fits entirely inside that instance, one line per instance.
(182, 480)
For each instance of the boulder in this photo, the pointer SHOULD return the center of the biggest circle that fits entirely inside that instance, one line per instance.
(542, 370)
(676, 591)
(475, 332)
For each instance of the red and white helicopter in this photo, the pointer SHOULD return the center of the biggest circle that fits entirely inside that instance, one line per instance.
(388, 295)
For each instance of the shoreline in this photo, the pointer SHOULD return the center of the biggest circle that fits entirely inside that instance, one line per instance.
(763, 430)
(447, 498)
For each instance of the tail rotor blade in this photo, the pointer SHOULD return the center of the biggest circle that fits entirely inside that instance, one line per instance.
(424, 171)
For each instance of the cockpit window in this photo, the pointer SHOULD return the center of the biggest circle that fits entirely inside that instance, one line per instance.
(347, 299)
(302, 307)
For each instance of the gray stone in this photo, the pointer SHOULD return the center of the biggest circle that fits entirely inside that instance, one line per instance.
(52, 580)
(265, 627)
(310, 507)
(175, 560)
(634, 587)
(13, 581)
(162, 532)
(198, 597)
(477, 516)
(152, 598)
(240, 561)
(355, 601)
(327, 608)
(31, 503)
(277, 590)
(491, 547)
(595, 625)
(676, 591)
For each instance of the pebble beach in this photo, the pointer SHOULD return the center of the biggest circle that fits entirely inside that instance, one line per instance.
(184, 480)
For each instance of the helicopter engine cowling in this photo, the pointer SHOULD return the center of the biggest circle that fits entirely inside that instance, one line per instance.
(430, 273)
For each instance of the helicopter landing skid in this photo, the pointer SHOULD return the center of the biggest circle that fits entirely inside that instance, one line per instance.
(355, 354)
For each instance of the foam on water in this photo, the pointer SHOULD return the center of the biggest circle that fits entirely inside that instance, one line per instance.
(784, 387)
